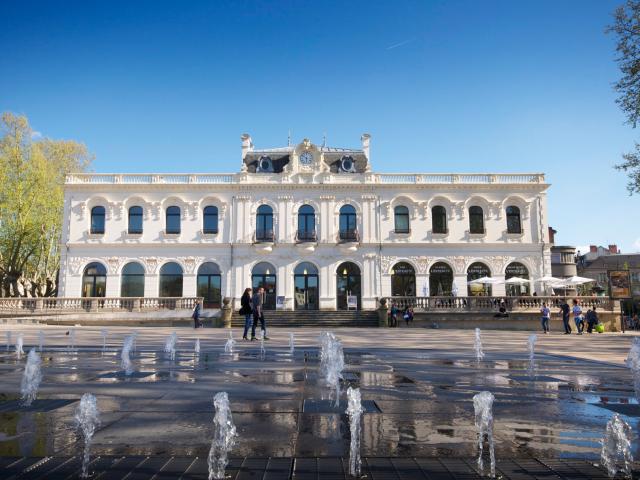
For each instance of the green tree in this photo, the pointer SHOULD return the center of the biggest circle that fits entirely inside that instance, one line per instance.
(32, 174)
(626, 27)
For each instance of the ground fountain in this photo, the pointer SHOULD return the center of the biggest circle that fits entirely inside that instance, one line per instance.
(104, 334)
(31, 378)
(125, 355)
(478, 346)
(331, 362)
(354, 411)
(292, 344)
(9, 340)
(262, 349)
(19, 345)
(229, 345)
(531, 346)
(134, 346)
(196, 347)
(87, 418)
(170, 345)
(616, 447)
(633, 362)
(40, 340)
(483, 408)
(224, 436)
(71, 346)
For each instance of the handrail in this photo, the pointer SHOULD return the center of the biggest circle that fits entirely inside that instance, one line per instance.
(492, 303)
(92, 304)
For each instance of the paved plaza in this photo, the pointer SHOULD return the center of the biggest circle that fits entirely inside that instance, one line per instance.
(417, 387)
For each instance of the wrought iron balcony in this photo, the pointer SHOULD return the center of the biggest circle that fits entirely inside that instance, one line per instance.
(306, 236)
(346, 236)
(264, 236)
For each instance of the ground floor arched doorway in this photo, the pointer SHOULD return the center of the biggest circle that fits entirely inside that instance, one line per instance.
(348, 285)
(440, 280)
(403, 280)
(209, 285)
(264, 275)
(305, 286)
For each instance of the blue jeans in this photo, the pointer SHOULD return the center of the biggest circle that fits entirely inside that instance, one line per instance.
(247, 324)
(545, 324)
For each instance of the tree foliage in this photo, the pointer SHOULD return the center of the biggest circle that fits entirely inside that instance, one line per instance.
(626, 27)
(32, 174)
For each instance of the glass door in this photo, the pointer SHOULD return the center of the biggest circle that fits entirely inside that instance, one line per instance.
(268, 282)
(306, 292)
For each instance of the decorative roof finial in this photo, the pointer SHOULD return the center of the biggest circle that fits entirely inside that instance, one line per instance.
(324, 139)
(289, 138)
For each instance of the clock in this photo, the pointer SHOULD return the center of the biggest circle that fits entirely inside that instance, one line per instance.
(306, 158)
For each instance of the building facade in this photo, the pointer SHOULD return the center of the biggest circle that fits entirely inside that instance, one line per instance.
(312, 224)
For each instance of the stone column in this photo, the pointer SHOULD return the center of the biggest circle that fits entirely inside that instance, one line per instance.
(113, 285)
(189, 285)
(460, 281)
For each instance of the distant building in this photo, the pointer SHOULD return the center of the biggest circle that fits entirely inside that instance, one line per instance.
(599, 251)
(601, 266)
(563, 258)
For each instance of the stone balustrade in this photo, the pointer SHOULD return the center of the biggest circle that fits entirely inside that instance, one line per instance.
(101, 304)
(488, 304)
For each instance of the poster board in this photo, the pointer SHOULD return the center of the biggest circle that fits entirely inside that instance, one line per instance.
(352, 302)
(279, 303)
(619, 284)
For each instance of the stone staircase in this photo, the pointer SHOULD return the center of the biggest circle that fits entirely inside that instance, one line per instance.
(315, 318)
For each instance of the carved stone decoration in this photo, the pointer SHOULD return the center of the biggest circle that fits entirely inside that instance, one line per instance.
(525, 211)
(194, 208)
(459, 262)
(156, 207)
(75, 263)
(80, 209)
(190, 263)
(151, 263)
(459, 209)
(385, 210)
(386, 262)
(222, 211)
(117, 209)
(498, 262)
(496, 209)
(422, 263)
(114, 264)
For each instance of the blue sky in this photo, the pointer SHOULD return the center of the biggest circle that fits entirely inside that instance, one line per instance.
(465, 86)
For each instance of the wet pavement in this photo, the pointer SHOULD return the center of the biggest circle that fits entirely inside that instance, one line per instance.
(417, 395)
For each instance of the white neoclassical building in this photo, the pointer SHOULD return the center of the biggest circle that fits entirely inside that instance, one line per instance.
(313, 224)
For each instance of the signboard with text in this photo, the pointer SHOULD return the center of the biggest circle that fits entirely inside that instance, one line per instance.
(352, 302)
(619, 284)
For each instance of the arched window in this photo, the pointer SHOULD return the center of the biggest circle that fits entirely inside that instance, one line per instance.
(348, 285)
(348, 224)
(94, 280)
(440, 280)
(173, 220)
(135, 220)
(305, 286)
(401, 219)
(171, 280)
(263, 275)
(513, 220)
(264, 224)
(515, 275)
(210, 219)
(476, 220)
(209, 285)
(132, 280)
(403, 280)
(97, 220)
(439, 219)
(475, 271)
(306, 224)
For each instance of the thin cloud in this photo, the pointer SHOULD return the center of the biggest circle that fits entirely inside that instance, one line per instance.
(35, 135)
(401, 44)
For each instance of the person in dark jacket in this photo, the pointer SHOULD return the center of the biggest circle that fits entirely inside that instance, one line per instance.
(258, 314)
(592, 320)
(196, 315)
(565, 311)
(246, 310)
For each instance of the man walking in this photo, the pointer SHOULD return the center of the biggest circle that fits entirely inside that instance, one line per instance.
(565, 311)
(546, 313)
(196, 315)
(258, 313)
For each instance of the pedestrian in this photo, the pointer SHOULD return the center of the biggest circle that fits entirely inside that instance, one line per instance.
(408, 315)
(246, 310)
(258, 314)
(546, 314)
(577, 316)
(393, 318)
(196, 315)
(592, 320)
(565, 311)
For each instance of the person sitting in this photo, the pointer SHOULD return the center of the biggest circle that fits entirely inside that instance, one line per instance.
(502, 311)
(592, 319)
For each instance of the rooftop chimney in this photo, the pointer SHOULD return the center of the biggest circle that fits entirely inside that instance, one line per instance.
(365, 138)
(552, 235)
(613, 249)
(247, 144)
(593, 249)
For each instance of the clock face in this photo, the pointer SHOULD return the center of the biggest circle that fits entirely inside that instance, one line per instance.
(306, 158)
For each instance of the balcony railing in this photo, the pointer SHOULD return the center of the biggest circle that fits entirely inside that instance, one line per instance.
(491, 304)
(347, 236)
(306, 236)
(264, 236)
(95, 304)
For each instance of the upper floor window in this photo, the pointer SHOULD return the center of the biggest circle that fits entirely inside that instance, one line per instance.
(401, 219)
(348, 223)
(97, 220)
(476, 220)
(439, 219)
(210, 219)
(306, 223)
(173, 220)
(135, 220)
(513, 220)
(264, 223)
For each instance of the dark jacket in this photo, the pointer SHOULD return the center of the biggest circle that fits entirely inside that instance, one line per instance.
(245, 305)
(196, 311)
(256, 303)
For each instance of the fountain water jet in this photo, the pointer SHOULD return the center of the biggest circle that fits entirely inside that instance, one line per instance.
(224, 436)
(134, 346)
(170, 345)
(478, 346)
(196, 347)
(331, 362)
(72, 340)
(616, 447)
(104, 334)
(354, 410)
(126, 363)
(229, 345)
(483, 408)
(292, 345)
(531, 346)
(19, 345)
(40, 340)
(633, 362)
(87, 419)
(9, 340)
(31, 378)
(262, 350)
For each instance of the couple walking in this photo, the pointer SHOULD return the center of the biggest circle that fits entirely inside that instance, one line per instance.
(252, 306)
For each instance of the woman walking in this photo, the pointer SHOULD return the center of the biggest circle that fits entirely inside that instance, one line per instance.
(246, 310)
